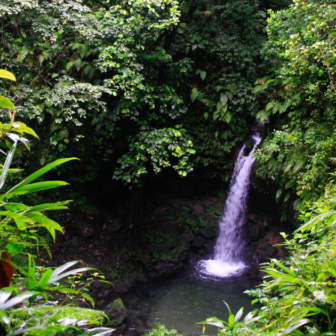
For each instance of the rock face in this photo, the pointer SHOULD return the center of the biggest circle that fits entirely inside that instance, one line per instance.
(199, 241)
(116, 313)
(115, 225)
(169, 268)
(85, 227)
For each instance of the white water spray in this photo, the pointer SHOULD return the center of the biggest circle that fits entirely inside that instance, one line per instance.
(228, 259)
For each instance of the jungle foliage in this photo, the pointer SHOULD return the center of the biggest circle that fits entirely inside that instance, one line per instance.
(26, 306)
(131, 85)
(299, 151)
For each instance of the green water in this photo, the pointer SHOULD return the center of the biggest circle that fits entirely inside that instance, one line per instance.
(183, 301)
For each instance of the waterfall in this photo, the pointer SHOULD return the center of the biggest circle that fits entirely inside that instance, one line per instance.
(228, 259)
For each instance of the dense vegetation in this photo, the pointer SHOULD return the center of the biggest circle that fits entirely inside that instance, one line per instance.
(132, 87)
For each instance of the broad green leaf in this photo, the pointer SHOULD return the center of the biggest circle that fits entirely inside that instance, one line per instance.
(231, 321)
(228, 117)
(278, 194)
(194, 94)
(7, 164)
(39, 173)
(239, 315)
(262, 115)
(223, 98)
(66, 274)
(214, 321)
(48, 223)
(259, 88)
(50, 206)
(203, 75)
(287, 196)
(6, 103)
(15, 300)
(6, 74)
(31, 272)
(40, 186)
(44, 280)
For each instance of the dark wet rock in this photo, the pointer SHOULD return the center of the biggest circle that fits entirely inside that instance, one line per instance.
(116, 313)
(207, 203)
(122, 210)
(201, 252)
(120, 286)
(199, 241)
(267, 251)
(253, 271)
(209, 233)
(254, 231)
(120, 330)
(198, 208)
(188, 237)
(169, 268)
(249, 143)
(86, 227)
(209, 247)
(181, 250)
(251, 217)
(160, 212)
(274, 238)
(115, 225)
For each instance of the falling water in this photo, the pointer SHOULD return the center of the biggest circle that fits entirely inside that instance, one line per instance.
(228, 259)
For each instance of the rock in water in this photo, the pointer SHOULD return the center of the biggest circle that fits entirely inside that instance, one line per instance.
(116, 313)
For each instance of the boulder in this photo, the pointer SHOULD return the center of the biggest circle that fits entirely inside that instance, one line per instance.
(116, 312)
(249, 143)
(85, 227)
(198, 208)
(115, 225)
(252, 217)
(254, 231)
(209, 232)
(267, 251)
(181, 250)
(209, 247)
(169, 268)
(160, 212)
(199, 241)
(188, 237)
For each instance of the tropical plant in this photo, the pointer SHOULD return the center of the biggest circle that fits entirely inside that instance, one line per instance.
(18, 235)
(299, 151)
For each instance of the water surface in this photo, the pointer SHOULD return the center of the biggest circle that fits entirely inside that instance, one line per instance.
(179, 303)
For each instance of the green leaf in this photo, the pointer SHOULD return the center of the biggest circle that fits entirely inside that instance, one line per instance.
(259, 88)
(6, 74)
(40, 186)
(50, 206)
(44, 280)
(239, 315)
(194, 94)
(203, 75)
(31, 272)
(223, 99)
(231, 321)
(278, 194)
(262, 115)
(39, 173)
(287, 196)
(6, 103)
(228, 117)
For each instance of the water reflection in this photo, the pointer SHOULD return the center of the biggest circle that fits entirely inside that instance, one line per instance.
(181, 302)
